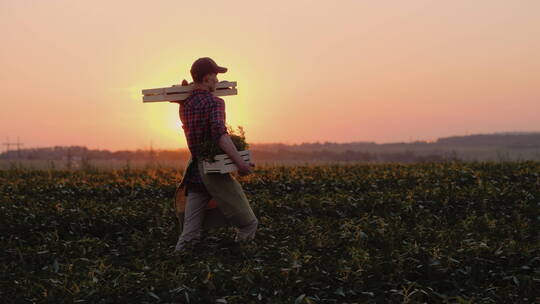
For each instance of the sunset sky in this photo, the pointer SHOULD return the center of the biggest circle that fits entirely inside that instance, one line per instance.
(385, 71)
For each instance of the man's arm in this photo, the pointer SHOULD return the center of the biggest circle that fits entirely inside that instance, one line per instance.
(221, 137)
(226, 144)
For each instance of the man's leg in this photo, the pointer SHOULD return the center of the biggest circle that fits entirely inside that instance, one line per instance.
(193, 218)
(247, 232)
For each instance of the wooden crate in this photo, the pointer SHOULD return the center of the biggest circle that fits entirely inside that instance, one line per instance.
(223, 164)
(180, 92)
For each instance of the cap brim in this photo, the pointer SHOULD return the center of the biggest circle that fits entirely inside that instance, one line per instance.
(221, 69)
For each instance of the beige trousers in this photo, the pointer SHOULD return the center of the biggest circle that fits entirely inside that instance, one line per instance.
(194, 217)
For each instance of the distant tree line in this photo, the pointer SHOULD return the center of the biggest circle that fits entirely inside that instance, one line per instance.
(60, 153)
(508, 140)
(350, 156)
(419, 151)
(85, 154)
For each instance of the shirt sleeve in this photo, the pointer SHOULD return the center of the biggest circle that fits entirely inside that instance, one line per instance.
(217, 119)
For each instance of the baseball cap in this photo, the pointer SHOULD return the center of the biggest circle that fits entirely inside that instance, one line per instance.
(204, 66)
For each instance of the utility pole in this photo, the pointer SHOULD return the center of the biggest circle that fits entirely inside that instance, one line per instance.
(18, 144)
(152, 153)
(151, 161)
(7, 144)
(69, 159)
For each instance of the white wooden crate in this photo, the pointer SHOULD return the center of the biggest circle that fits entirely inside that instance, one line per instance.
(223, 164)
(180, 92)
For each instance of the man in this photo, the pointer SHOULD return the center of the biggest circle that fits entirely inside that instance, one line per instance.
(203, 119)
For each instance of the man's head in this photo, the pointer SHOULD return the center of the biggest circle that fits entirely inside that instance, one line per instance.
(204, 73)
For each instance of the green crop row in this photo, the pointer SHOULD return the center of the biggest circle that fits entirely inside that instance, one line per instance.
(390, 233)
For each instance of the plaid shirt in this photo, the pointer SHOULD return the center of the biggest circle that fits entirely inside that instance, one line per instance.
(203, 118)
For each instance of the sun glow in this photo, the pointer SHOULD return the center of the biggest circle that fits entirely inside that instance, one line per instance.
(164, 124)
(163, 118)
(303, 75)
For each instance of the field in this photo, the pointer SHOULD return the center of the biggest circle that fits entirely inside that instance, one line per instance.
(391, 233)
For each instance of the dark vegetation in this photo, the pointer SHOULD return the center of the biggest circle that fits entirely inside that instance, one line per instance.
(425, 233)
(210, 148)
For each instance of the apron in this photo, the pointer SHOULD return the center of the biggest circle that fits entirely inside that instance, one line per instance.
(228, 206)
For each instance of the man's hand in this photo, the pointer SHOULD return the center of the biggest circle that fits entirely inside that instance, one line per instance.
(245, 168)
(184, 83)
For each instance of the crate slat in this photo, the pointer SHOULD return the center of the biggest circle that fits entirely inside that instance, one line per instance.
(185, 89)
(223, 164)
(183, 96)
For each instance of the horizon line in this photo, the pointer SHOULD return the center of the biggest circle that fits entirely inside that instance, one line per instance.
(294, 144)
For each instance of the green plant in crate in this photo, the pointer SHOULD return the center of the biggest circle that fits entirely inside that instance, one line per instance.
(210, 149)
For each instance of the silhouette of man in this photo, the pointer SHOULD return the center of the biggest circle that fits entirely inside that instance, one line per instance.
(203, 119)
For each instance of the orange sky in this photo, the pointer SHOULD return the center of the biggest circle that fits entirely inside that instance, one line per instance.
(307, 71)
